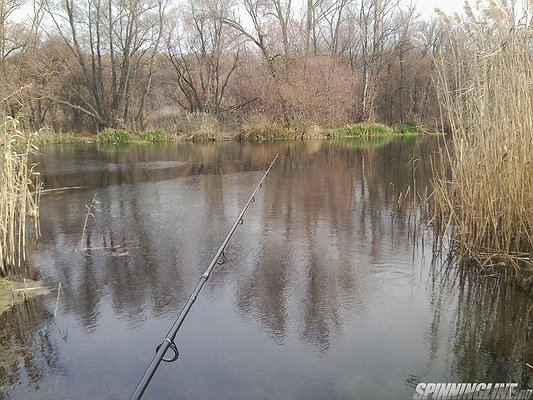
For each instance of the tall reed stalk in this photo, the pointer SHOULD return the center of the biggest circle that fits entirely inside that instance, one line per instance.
(19, 194)
(484, 193)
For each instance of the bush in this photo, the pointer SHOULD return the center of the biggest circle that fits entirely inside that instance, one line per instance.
(113, 136)
(203, 135)
(159, 135)
(260, 128)
(409, 129)
(362, 130)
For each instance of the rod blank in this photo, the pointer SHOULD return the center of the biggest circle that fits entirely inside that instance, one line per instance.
(168, 342)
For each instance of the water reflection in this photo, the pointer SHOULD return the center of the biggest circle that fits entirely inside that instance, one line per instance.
(491, 341)
(29, 352)
(327, 284)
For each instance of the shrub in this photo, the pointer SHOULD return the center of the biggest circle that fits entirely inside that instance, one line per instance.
(159, 135)
(260, 128)
(362, 130)
(113, 136)
(409, 129)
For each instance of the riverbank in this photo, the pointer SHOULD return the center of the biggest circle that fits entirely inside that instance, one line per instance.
(15, 292)
(257, 133)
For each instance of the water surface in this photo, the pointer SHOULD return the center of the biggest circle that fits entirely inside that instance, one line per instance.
(329, 291)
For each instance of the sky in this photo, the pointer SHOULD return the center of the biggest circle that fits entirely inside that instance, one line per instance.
(426, 7)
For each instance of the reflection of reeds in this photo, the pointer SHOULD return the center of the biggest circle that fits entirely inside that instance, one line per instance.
(492, 339)
(19, 193)
(90, 209)
(29, 352)
(485, 82)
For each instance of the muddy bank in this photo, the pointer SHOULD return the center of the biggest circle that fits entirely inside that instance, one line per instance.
(15, 292)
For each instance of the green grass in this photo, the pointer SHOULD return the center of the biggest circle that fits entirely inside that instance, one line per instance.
(113, 136)
(362, 130)
(409, 129)
(265, 131)
(365, 130)
(159, 135)
(60, 138)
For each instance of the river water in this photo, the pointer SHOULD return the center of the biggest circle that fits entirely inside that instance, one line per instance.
(331, 290)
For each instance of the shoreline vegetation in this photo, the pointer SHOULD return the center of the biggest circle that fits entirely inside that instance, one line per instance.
(261, 133)
(483, 190)
(14, 292)
(19, 195)
(469, 74)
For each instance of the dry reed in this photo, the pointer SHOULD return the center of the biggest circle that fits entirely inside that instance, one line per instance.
(19, 194)
(483, 195)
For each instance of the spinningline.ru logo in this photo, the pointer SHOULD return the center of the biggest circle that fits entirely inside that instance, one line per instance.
(478, 391)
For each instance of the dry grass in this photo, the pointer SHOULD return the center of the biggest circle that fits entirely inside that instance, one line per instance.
(19, 194)
(258, 128)
(483, 195)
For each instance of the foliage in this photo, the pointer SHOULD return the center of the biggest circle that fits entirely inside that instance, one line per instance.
(201, 59)
(156, 136)
(483, 193)
(362, 130)
(113, 136)
(409, 129)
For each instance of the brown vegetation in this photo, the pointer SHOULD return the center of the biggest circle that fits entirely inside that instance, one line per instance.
(19, 194)
(88, 66)
(485, 81)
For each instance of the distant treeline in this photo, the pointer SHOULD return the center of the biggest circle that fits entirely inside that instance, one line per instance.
(92, 64)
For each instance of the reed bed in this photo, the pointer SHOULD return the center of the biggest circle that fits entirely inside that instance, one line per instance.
(19, 194)
(484, 189)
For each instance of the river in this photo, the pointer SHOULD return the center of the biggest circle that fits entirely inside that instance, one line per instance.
(332, 287)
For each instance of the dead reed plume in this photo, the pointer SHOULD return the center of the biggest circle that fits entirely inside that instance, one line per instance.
(484, 190)
(19, 194)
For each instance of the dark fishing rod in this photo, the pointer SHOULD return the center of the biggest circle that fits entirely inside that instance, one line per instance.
(168, 342)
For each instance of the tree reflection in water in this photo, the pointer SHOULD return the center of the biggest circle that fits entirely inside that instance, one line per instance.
(29, 352)
(326, 267)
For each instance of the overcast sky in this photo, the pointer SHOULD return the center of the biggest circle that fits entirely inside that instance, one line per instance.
(426, 7)
(448, 6)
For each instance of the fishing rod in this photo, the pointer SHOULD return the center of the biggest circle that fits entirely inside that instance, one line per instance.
(168, 342)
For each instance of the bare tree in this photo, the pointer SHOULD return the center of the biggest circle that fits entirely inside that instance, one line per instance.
(204, 54)
(8, 40)
(270, 25)
(331, 26)
(374, 44)
(115, 43)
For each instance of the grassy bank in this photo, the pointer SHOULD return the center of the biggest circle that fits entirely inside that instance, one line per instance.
(106, 136)
(483, 192)
(122, 136)
(250, 131)
(47, 136)
(19, 194)
(367, 130)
